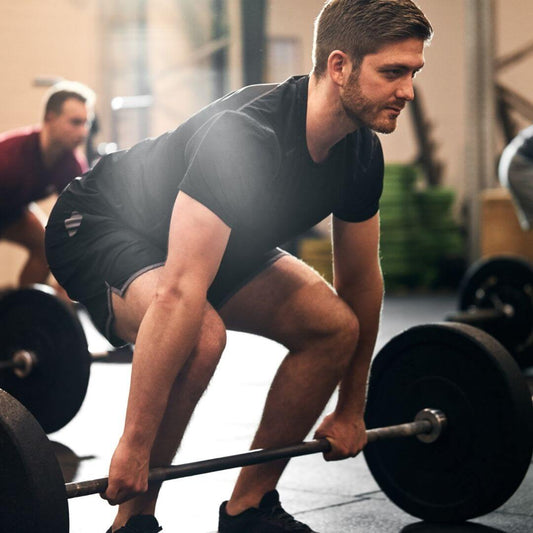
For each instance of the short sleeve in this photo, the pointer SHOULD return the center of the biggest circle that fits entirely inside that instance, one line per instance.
(363, 184)
(230, 162)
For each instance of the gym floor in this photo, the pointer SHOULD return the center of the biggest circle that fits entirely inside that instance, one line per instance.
(336, 497)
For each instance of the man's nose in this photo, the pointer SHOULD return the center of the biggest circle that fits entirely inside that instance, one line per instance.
(406, 90)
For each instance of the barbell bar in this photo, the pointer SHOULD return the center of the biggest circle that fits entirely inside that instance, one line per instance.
(44, 356)
(50, 501)
(428, 425)
(471, 454)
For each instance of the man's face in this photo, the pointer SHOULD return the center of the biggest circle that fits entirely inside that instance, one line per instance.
(70, 127)
(378, 90)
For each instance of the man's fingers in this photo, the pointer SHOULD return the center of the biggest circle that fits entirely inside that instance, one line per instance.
(116, 496)
(341, 449)
(339, 454)
(113, 497)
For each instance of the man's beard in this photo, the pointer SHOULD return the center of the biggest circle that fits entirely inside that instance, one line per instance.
(362, 111)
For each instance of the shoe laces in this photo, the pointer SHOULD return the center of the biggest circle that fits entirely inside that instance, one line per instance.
(289, 522)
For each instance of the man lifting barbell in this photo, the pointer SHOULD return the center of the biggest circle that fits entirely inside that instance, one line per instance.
(172, 242)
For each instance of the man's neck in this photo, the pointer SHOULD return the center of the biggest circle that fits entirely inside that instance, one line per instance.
(327, 122)
(50, 150)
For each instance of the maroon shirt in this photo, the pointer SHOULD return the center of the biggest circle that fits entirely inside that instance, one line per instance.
(23, 176)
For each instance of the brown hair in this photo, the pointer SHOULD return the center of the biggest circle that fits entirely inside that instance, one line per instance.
(361, 27)
(64, 90)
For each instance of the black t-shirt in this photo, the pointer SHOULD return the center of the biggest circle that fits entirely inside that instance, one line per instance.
(244, 157)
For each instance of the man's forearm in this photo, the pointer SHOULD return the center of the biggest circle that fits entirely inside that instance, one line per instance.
(352, 393)
(166, 337)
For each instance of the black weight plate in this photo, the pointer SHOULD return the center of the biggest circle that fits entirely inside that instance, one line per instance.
(32, 490)
(507, 279)
(34, 320)
(485, 451)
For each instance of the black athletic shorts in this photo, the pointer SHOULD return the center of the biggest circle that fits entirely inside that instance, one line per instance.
(93, 255)
(7, 220)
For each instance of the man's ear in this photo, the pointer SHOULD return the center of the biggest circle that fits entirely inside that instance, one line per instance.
(339, 67)
(50, 115)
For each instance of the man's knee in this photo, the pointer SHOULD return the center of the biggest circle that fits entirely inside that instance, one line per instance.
(343, 335)
(333, 334)
(212, 339)
(206, 355)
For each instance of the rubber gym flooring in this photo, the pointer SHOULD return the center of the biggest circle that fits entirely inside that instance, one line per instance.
(336, 497)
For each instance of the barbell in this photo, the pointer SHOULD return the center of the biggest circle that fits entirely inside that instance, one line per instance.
(496, 295)
(44, 356)
(461, 393)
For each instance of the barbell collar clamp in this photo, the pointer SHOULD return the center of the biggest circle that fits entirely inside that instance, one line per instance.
(22, 362)
(508, 310)
(438, 423)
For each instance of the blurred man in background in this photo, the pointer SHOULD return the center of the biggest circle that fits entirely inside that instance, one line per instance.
(38, 161)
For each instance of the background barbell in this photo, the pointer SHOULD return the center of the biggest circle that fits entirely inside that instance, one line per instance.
(496, 295)
(44, 356)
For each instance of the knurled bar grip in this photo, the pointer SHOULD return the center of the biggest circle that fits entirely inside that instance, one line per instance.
(402, 430)
(95, 486)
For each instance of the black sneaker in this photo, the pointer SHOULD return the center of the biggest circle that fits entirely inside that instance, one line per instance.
(269, 518)
(142, 523)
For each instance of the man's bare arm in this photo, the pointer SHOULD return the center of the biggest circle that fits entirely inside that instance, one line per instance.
(166, 337)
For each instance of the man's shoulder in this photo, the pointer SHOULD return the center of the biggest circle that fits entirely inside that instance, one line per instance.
(255, 101)
(22, 135)
(252, 95)
(19, 147)
(236, 135)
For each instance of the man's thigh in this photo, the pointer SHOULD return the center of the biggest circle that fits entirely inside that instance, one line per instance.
(288, 302)
(129, 309)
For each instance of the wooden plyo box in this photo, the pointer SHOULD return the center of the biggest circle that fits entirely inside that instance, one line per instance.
(500, 230)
